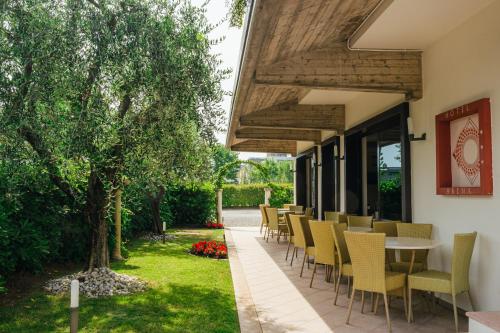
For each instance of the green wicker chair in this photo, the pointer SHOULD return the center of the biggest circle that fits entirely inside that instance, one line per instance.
(324, 248)
(302, 238)
(416, 230)
(344, 260)
(441, 282)
(390, 230)
(367, 251)
(360, 221)
(274, 224)
(263, 221)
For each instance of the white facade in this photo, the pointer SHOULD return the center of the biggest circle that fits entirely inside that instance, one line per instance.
(460, 67)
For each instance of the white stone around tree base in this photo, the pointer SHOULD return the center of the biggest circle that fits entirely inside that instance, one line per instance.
(97, 283)
(152, 237)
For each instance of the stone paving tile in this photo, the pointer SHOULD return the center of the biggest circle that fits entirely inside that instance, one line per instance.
(284, 302)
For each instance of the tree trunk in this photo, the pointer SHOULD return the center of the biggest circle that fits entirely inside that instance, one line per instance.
(117, 252)
(155, 202)
(95, 214)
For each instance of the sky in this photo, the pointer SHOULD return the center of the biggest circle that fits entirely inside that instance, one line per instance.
(229, 51)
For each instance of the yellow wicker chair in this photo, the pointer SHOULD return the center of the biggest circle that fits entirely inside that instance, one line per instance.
(274, 224)
(297, 209)
(287, 206)
(360, 221)
(324, 248)
(342, 218)
(416, 230)
(390, 230)
(309, 212)
(332, 216)
(263, 221)
(367, 251)
(441, 282)
(344, 260)
(290, 233)
(302, 238)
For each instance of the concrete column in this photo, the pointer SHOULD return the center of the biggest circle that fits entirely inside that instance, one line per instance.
(294, 170)
(219, 206)
(267, 195)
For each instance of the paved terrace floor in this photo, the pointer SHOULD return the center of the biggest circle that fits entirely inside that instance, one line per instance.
(271, 296)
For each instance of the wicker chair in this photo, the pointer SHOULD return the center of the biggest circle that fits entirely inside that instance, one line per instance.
(390, 230)
(455, 283)
(344, 260)
(416, 230)
(297, 209)
(263, 221)
(324, 248)
(367, 251)
(309, 212)
(302, 238)
(290, 233)
(360, 221)
(274, 224)
(332, 216)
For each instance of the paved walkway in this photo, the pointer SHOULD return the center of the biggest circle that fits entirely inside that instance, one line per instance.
(245, 217)
(272, 297)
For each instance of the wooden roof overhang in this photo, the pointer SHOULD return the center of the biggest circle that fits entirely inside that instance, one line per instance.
(293, 46)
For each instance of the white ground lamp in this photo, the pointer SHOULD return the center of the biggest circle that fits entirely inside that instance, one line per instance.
(411, 133)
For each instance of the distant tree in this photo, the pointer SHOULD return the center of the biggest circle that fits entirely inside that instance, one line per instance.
(278, 172)
(237, 9)
(221, 156)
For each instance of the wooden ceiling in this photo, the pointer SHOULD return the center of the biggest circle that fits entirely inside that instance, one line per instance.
(293, 46)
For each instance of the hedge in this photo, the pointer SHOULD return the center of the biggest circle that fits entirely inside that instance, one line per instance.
(252, 195)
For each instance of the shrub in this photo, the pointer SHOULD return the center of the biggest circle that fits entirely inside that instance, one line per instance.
(252, 195)
(191, 204)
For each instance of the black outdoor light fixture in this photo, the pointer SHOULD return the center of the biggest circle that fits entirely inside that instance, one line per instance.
(411, 134)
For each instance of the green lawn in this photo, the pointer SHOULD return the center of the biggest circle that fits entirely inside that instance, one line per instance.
(188, 294)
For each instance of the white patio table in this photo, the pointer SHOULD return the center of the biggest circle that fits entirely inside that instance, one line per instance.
(412, 244)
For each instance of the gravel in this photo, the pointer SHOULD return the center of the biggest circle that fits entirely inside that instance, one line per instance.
(98, 283)
(152, 237)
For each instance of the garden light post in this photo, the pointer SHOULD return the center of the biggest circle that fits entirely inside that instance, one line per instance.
(164, 230)
(75, 289)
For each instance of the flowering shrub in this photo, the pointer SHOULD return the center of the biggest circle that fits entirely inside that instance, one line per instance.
(214, 225)
(211, 249)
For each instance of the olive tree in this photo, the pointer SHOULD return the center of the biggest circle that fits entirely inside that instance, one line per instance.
(83, 81)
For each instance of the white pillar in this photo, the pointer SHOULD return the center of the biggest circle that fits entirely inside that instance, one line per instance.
(219, 206)
(267, 195)
(319, 179)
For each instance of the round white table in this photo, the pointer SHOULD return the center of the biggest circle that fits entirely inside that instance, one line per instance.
(411, 244)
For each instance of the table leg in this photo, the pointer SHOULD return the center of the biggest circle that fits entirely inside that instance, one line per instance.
(412, 261)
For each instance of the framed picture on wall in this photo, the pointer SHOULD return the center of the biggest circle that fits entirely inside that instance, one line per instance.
(463, 150)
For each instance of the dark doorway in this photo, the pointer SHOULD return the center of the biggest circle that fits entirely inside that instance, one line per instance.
(306, 185)
(330, 176)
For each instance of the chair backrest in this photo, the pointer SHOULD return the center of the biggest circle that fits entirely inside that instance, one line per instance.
(297, 209)
(339, 239)
(390, 230)
(287, 206)
(342, 218)
(324, 245)
(289, 223)
(360, 221)
(263, 214)
(332, 216)
(272, 218)
(299, 239)
(309, 211)
(415, 230)
(306, 229)
(463, 246)
(367, 251)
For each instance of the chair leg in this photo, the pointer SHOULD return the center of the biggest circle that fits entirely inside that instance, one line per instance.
(362, 300)
(376, 305)
(348, 285)
(410, 307)
(350, 307)
(337, 289)
(405, 303)
(288, 250)
(314, 272)
(387, 312)
(261, 226)
(278, 238)
(308, 262)
(265, 231)
(454, 297)
(303, 262)
(293, 254)
(470, 301)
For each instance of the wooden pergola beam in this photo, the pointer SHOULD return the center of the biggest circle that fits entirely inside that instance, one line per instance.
(257, 133)
(268, 146)
(298, 116)
(340, 68)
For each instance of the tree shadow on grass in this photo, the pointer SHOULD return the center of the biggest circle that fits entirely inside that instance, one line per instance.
(178, 308)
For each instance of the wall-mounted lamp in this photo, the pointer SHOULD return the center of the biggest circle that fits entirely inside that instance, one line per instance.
(336, 154)
(411, 133)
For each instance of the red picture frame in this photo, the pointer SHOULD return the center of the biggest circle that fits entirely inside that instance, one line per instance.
(444, 153)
